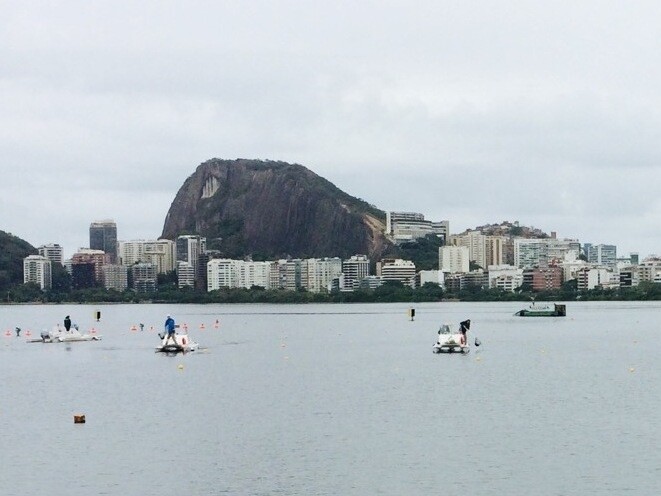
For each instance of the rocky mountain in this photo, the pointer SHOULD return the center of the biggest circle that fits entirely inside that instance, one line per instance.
(273, 209)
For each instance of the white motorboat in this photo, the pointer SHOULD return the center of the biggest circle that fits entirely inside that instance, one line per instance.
(182, 344)
(449, 342)
(59, 334)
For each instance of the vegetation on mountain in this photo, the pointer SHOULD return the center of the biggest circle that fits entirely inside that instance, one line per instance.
(12, 252)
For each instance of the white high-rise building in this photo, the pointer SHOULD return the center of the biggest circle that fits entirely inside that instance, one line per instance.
(453, 259)
(52, 252)
(185, 275)
(228, 273)
(505, 277)
(317, 274)
(37, 269)
(354, 269)
(397, 270)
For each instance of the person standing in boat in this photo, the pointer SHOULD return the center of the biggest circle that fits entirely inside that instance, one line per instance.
(464, 327)
(170, 329)
(67, 323)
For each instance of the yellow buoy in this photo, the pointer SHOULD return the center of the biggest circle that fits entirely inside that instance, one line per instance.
(631, 369)
(180, 367)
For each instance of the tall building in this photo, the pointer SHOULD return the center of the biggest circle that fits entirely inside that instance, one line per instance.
(453, 259)
(402, 227)
(160, 253)
(317, 274)
(37, 269)
(605, 255)
(52, 252)
(144, 277)
(96, 258)
(227, 273)
(185, 275)
(115, 277)
(103, 236)
(189, 248)
(397, 270)
(354, 269)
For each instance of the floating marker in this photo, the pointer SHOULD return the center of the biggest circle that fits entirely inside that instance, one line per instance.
(134, 328)
(631, 369)
(79, 419)
(180, 366)
(202, 326)
(217, 324)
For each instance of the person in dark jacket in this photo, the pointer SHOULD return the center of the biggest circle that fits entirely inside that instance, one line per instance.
(67, 323)
(464, 327)
(170, 329)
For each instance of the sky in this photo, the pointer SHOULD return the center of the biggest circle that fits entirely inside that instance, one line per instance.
(546, 113)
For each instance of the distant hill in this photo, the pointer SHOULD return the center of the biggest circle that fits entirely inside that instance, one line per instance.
(12, 252)
(273, 209)
(507, 228)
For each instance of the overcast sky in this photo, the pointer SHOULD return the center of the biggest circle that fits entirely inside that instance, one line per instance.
(548, 113)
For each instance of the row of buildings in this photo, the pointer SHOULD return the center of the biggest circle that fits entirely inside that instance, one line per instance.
(468, 259)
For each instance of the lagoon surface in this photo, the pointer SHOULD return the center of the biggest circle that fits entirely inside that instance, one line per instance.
(334, 400)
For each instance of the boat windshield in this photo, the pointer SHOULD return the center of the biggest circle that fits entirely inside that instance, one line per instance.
(445, 329)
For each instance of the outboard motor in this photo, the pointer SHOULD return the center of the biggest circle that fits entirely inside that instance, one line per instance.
(44, 335)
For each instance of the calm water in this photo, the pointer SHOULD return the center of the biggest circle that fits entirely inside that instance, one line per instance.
(334, 400)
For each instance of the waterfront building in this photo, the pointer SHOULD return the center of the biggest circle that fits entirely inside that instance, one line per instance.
(592, 277)
(354, 269)
(317, 274)
(144, 277)
(649, 269)
(505, 277)
(185, 275)
(544, 278)
(453, 259)
(52, 252)
(161, 253)
(371, 282)
(602, 255)
(37, 269)
(431, 276)
(103, 237)
(115, 277)
(397, 270)
(228, 273)
(477, 279)
(189, 248)
(88, 256)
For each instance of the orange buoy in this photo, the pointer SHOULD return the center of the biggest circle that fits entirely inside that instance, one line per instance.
(183, 340)
(79, 419)
(202, 326)
(217, 324)
(93, 331)
(134, 328)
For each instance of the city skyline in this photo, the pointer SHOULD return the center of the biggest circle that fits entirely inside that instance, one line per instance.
(477, 113)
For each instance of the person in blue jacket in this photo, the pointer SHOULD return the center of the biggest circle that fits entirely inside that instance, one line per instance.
(170, 329)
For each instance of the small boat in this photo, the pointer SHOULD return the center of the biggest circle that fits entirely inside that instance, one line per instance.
(449, 342)
(59, 334)
(182, 344)
(543, 310)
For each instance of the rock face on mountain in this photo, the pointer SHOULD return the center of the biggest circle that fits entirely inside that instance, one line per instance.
(273, 209)
(12, 252)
